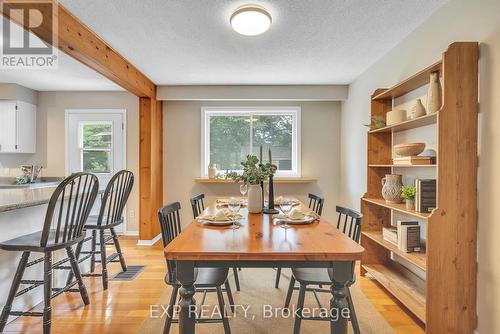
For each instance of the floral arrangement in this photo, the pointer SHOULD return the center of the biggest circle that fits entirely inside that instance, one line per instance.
(253, 171)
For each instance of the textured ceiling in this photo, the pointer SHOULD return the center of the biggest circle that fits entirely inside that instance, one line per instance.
(69, 75)
(310, 41)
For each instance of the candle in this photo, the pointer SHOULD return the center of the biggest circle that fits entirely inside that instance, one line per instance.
(270, 157)
(260, 157)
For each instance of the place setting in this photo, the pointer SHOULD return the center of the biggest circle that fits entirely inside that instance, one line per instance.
(227, 217)
(293, 216)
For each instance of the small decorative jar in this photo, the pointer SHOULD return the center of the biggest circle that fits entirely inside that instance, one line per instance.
(391, 188)
(212, 171)
(417, 111)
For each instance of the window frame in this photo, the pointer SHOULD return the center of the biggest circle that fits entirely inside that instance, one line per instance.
(294, 111)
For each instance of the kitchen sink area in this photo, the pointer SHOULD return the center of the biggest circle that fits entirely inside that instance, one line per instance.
(42, 182)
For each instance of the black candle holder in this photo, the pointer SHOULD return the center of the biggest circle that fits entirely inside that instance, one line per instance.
(270, 205)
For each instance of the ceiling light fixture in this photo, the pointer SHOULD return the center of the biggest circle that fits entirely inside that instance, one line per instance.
(250, 20)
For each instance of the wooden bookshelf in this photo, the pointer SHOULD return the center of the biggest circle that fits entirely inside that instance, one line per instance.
(446, 299)
(417, 258)
(404, 289)
(410, 124)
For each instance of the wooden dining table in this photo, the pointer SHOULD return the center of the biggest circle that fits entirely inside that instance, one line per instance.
(260, 242)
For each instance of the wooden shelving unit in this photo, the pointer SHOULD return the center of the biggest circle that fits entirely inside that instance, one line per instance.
(438, 284)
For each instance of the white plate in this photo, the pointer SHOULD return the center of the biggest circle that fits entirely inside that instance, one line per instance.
(305, 220)
(217, 223)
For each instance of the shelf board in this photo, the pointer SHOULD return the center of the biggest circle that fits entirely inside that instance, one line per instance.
(294, 180)
(410, 124)
(418, 80)
(397, 207)
(400, 286)
(418, 259)
(398, 166)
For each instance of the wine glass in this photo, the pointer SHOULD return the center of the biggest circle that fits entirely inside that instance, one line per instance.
(234, 206)
(243, 189)
(286, 206)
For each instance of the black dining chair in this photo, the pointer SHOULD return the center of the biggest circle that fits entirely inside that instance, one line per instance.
(207, 279)
(110, 215)
(316, 204)
(198, 206)
(67, 211)
(349, 222)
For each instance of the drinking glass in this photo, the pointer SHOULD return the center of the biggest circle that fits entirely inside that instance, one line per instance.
(286, 206)
(234, 206)
(243, 189)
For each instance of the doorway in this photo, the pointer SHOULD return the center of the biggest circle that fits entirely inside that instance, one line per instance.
(95, 143)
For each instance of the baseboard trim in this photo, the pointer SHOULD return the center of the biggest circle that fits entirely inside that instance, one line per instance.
(149, 242)
(131, 233)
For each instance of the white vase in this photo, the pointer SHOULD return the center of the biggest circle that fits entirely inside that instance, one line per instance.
(391, 188)
(254, 198)
(434, 94)
(212, 171)
(418, 110)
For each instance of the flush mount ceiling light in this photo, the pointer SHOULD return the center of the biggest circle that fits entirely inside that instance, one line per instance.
(250, 20)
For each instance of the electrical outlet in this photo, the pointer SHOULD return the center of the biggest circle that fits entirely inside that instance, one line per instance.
(131, 213)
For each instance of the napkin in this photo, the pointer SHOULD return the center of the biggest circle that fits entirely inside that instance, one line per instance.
(297, 214)
(221, 216)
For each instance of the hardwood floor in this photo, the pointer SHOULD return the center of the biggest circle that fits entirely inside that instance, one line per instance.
(125, 305)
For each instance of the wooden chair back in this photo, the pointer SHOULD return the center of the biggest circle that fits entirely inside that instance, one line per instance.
(115, 197)
(197, 204)
(68, 209)
(170, 224)
(349, 221)
(316, 203)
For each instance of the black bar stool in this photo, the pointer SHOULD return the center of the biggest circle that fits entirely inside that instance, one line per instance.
(198, 206)
(67, 212)
(110, 215)
(316, 204)
(349, 222)
(207, 279)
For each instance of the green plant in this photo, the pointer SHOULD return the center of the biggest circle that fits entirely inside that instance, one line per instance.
(377, 122)
(408, 192)
(253, 171)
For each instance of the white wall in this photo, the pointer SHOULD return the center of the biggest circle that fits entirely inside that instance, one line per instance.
(458, 20)
(320, 153)
(50, 146)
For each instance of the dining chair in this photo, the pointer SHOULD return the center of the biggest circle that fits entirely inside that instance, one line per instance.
(110, 215)
(67, 211)
(316, 204)
(207, 279)
(197, 205)
(349, 222)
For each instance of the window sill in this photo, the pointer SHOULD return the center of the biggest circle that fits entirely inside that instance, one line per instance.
(276, 180)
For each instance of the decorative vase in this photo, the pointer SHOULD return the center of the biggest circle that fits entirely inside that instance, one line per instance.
(417, 111)
(395, 116)
(434, 94)
(391, 188)
(254, 198)
(212, 171)
(410, 204)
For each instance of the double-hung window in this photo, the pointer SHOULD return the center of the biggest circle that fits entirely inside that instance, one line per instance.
(230, 134)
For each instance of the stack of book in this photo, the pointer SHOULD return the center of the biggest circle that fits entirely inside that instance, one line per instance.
(425, 195)
(413, 160)
(390, 234)
(408, 233)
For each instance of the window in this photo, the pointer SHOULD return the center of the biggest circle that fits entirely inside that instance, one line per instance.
(95, 146)
(230, 134)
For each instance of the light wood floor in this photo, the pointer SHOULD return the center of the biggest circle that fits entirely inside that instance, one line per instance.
(125, 305)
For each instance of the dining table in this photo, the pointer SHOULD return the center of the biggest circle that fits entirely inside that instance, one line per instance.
(260, 242)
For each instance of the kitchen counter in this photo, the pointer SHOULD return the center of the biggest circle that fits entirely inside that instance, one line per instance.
(12, 199)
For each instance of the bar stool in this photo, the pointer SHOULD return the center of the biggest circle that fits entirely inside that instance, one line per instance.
(67, 212)
(316, 204)
(110, 215)
(198, 206)
(207, 279)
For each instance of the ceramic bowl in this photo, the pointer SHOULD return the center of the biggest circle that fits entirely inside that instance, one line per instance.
(407, 150)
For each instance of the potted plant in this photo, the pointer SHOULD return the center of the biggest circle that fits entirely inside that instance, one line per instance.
(253, 174)
(408, 194)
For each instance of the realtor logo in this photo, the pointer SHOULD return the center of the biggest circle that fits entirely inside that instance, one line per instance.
(29, 34)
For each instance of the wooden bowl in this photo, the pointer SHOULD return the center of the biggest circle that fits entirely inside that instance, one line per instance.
(408, 150)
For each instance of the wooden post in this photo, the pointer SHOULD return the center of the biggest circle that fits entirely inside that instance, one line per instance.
(151, 166)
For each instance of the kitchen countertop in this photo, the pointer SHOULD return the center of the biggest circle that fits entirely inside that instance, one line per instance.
(12, 199)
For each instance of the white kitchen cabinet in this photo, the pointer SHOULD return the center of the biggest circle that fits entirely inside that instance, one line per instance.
(17, 127)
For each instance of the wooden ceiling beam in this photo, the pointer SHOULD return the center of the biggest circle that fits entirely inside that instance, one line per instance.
(78, 41)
